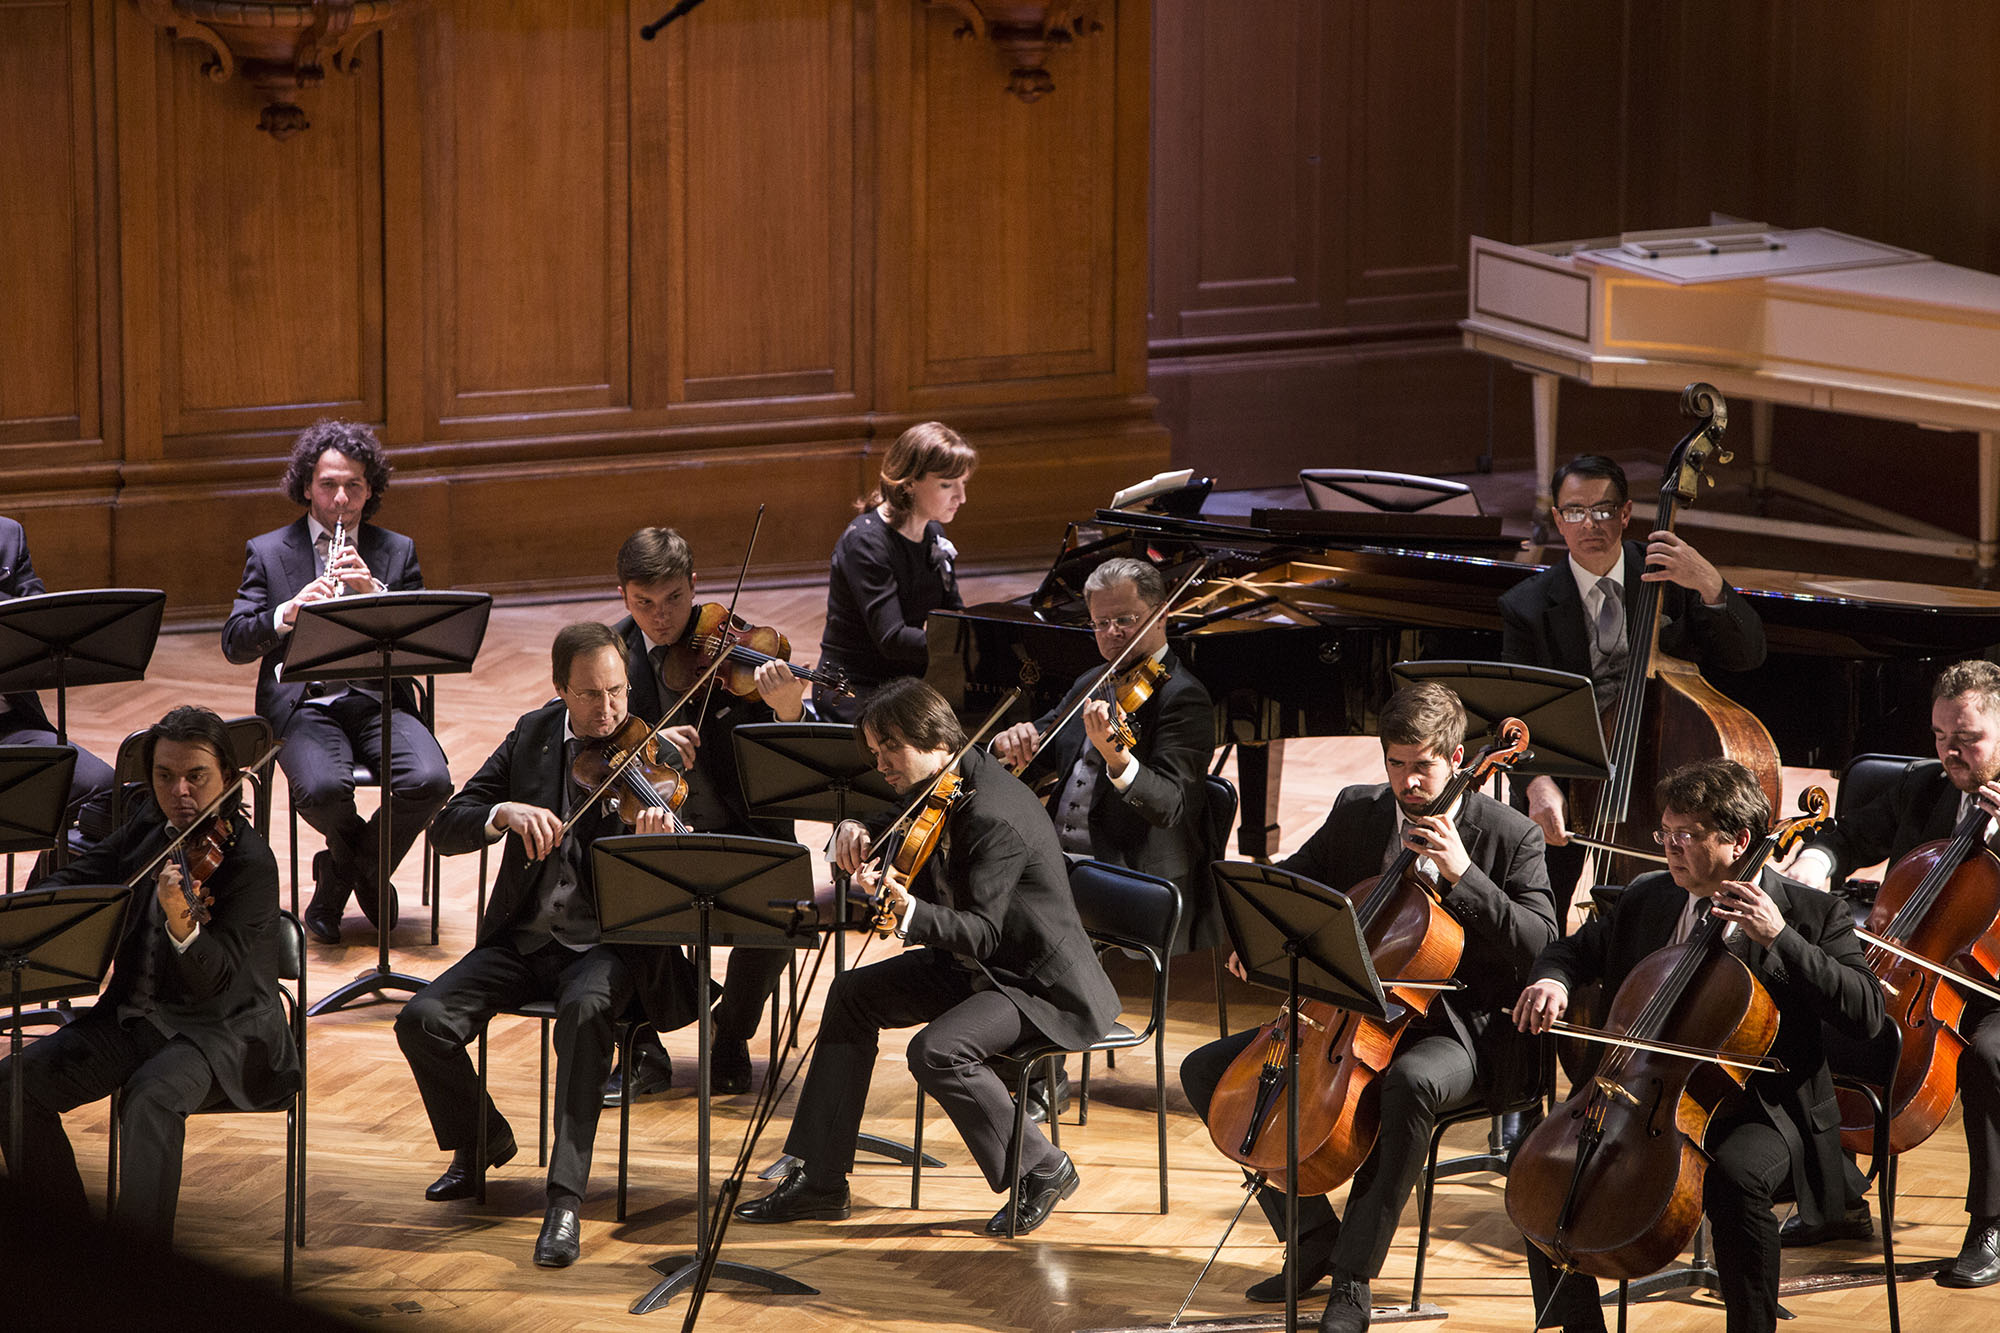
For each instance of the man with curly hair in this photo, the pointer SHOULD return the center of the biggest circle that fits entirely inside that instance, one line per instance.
(338, 472)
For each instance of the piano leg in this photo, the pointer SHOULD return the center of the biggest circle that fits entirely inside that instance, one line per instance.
(1544, 389)
(1988, 549)
(1760, 455)
(1259, 767)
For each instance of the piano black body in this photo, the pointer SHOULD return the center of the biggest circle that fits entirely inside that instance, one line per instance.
(1295, 634)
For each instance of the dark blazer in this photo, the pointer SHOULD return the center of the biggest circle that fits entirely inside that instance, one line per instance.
(716, 784)
(1542, 622)
(221, 994)
(1815, 973)
(529, 767)
(275, 566)
(1157, 825)
(997, 892)
(1502, 900)
(1921, 808)
(18, 579)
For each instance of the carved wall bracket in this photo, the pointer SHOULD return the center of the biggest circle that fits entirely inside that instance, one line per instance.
(279, 46)
(1025, 31)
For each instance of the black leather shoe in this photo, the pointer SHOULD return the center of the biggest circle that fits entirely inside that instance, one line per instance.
(365, 898)
(1350, 1308)
(458, 1180)
(321, 920)
(1856, 1224)
(1517, 1125)
(655, 1076)
(729, 1067)
(1318, 1260)
(1041, 1191)
(561, 1238)
(1038, 1105)
(796, 1201)
(1978, 1262)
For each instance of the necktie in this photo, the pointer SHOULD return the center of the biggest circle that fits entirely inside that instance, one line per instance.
(320, 545)
(1692, 916)
(1610, 617)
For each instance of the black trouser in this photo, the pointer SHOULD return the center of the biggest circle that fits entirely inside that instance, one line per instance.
(1429, 1076)
(163, 1081)
(1979, 1091)
(1751, 1167)
(963, 1030)
(749, 977)
(321, 741)
(592, 991)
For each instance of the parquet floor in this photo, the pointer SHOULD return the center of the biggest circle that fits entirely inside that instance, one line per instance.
(377, 1251)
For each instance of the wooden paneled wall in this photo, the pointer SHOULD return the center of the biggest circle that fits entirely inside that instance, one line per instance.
(580, 281)
(1319, 165)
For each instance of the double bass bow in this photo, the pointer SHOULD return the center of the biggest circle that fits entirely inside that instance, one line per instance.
(1414, 940)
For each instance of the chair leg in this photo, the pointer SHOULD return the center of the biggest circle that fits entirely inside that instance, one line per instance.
(291, 1187)
(1424, 1216)
(1624, 1289)
(1083, 1090)
(433, 882)
(479, 1135)
(542, 1147)
(294, 812)
(111, 1156)
(1160, 1104)
(1020, 1143)
(1885, 1189)
(1221, 995)
(625, 1043)
(917, 1150)
(1054, 1122)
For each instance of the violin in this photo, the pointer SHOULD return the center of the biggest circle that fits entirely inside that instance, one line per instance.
(1938, 910)
(1611, 1184)
(1412, 938)
(919, 841)
(199, 855)
(1131, 692)
(743, 647)
(648, 782)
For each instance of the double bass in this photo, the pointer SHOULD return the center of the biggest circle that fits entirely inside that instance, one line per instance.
(1412, 937)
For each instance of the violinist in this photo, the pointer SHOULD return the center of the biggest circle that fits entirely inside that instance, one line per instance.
(1571, 617)
(338, 471)
(656, 581)
(190, 1015)
(893, 566)
(1004, 958)
(1487, 859)
(1925, 806)
(539, 939)
(1782, 1136)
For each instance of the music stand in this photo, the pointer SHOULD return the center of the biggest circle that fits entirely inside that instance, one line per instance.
(34, 798)
(55, 944)
(99, 636)
(818, 771)
(378, 638)
(702, 889)
(1558, 707)
(1296, 935)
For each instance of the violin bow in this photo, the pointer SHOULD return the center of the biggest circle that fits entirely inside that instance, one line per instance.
(243, 775)
(729, 614)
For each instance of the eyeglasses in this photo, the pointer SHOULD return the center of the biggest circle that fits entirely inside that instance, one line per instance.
(1574, 514)
(1119, 623)
(1679, 837)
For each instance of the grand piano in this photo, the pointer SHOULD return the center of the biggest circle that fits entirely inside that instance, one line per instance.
(1300, 615)
(1807, 317)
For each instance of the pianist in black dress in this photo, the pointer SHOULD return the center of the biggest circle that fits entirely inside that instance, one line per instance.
(893, 566)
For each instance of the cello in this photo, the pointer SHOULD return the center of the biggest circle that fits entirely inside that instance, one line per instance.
(1937, 911)
(1611, 1183)
(1412, 938)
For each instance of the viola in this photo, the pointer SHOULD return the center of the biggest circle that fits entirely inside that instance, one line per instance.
(1412, 938)
(742, 646)
(1611, 1184)
(199, 855)
(1131, 692)
(648, 782)
(918, 843)
(1941, 902)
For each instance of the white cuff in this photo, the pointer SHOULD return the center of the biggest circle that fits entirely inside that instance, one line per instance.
(181, 946)
(1125, 782)
(278, 620)
(493, 830)
(1813, 862)
(909, 917)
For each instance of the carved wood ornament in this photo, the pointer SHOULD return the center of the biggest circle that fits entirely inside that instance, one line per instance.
(1025, 31)
(280, 46)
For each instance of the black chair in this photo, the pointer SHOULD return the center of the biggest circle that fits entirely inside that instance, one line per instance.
(1221, 816)
(1865, 779)
(1868, 1069)
(1121, 909)
(431, 873)
(249, 738)
(292, 968)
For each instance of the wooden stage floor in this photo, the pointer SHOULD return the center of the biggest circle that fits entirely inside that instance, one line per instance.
(378, 1252)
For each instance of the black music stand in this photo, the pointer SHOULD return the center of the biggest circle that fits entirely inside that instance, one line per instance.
(818, 771)
(99, 636)
(1299, 936)
(702, 889)
(377, 638)
(34, 798)
(55, 944)
(1559, 708)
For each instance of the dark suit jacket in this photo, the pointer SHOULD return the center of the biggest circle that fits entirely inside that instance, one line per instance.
(1542, 622)
(997, 892)
(1921, 808)
(1502, 900)
(1814, 972)
(18, 579)
(275, 566)
(222, 993)
(715, 778)
(529, 767)
(1157, 825)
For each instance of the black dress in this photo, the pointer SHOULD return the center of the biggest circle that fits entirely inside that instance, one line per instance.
(881, 588)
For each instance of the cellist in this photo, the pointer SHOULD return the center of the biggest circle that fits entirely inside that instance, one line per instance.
(1488, 859)
(1782, 1136)
(1571, 617)
(1925, 806)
